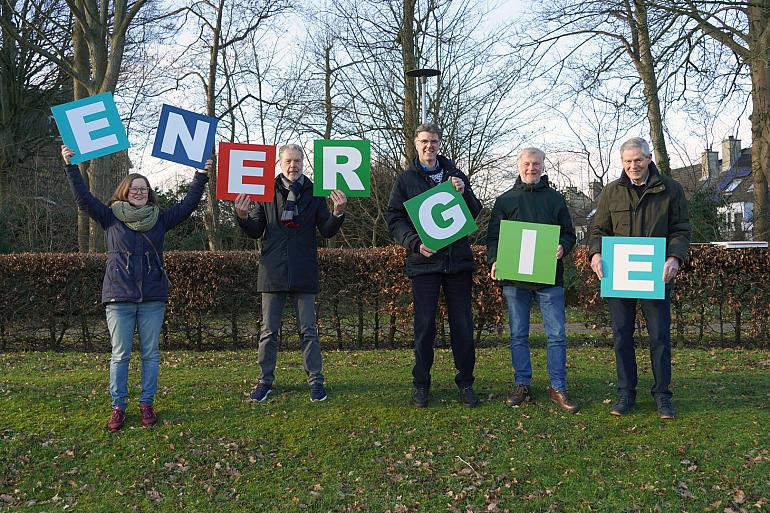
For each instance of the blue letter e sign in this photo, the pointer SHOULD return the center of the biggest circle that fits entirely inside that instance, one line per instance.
(633, 267)
(91, 127)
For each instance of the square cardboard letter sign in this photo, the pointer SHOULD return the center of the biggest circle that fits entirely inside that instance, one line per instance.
(91, 127)
(633, 267)
(440, 216)
(343, 165)
(527, 252)
(246, 168)
(184, 137)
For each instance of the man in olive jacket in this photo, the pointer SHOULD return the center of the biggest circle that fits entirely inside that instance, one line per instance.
(450, 268)
(532, 200)
(288, 263)
(642, 203)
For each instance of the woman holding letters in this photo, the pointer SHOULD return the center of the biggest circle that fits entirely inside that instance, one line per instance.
(135, 286)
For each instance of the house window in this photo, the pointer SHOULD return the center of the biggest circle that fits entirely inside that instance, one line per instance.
(733, 185)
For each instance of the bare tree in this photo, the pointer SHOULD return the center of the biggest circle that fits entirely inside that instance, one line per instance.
(744, 28)
(98, 36)
(612, 40)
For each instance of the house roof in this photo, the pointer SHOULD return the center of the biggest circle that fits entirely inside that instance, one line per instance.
(734, 184)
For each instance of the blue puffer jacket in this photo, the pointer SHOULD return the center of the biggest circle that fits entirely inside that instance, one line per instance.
(134, 272)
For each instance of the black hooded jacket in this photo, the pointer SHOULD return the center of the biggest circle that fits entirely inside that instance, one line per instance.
(455, 258)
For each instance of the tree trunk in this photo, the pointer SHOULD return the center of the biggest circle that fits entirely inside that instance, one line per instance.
(759, 17)
(328, 93)
(646, 67)
(211, 217)
(80, 62)
(406, 37)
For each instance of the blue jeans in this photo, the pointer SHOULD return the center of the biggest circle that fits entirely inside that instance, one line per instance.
(657, 316)
(272, 312)
(122, 319)
(457, 293)
(551, 301)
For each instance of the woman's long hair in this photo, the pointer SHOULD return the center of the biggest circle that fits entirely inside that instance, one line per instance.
(121, 191)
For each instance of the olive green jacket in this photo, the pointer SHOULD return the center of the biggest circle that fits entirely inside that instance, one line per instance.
(661, 211)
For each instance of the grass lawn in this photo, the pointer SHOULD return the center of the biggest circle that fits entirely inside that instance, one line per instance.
(366, 449)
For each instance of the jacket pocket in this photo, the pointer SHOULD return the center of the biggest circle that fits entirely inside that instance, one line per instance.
(621, 221)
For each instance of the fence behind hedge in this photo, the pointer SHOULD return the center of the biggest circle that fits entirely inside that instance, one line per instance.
(52, 301)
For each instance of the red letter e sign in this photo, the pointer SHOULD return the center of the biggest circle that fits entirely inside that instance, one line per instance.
(246, 168)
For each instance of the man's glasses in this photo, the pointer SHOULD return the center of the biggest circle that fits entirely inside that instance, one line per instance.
(138, 190)
(425, 142)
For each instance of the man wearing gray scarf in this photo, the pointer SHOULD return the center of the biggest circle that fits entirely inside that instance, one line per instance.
(288, 263)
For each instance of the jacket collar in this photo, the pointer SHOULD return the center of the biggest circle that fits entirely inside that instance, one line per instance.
(446, 165)
(652, 179)
(307, 184)
(542, 184)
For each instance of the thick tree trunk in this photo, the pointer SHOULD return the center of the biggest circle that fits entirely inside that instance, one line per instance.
(211, 217)
(80, 62)
(411, 117)
(759, 17)
(646, 69)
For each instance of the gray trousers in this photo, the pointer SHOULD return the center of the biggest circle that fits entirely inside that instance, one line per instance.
(272, 311)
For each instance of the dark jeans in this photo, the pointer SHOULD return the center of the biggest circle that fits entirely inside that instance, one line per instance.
(457, 293)
(657, 316)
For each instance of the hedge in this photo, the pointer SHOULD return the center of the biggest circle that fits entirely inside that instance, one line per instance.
(52, 301)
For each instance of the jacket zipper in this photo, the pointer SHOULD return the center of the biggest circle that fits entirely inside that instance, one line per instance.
(128, 260)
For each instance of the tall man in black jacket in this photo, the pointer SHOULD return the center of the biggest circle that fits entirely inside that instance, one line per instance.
(450, 268)
(288, 263)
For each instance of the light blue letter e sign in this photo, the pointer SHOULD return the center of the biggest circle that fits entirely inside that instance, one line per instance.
(633, 267)
(91, 127)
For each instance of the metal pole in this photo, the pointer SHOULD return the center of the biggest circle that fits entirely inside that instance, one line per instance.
(424, 116)
(422, 74)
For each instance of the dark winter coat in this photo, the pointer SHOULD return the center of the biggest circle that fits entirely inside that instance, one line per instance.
(532, 203)
(455, 258)
(289, 258)
(661, 211)
(134, 271)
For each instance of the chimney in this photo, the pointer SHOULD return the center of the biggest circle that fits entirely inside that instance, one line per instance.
(731, 151)
(709, 165)
(594, 189)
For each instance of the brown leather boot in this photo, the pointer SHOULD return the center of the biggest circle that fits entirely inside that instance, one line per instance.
(563, 400)
(117, 419)
(148, 415)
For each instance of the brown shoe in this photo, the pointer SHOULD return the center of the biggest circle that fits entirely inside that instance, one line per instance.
(148, 415)
(117, 419)
(563, 400)
(519, 395)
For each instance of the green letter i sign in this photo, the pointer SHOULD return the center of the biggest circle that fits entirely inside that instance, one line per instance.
(440, 216)
(343, 165)
(527, 252)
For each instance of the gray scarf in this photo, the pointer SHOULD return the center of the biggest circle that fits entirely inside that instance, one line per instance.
(139, 219)
(290, 211)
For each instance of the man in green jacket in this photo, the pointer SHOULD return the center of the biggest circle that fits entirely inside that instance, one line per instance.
(532, 200)
(642, 203)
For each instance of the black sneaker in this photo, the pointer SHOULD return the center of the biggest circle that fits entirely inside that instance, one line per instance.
(665, 410)
(317, 392)
(260, 393)
(519, 395)
(623, 406)
(468, 397)
(420, 396)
